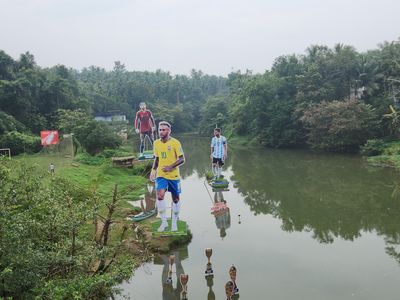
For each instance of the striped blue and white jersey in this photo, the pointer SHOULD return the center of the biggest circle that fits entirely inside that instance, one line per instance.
(218, 146)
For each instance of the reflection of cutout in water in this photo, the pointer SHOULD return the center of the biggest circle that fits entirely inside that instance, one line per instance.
(229, 290)
(171, 261)
(210, 283)
(149, 198)
(172, 290)
(184, 278)
(232, 275)
(222, 215)
(209, 271)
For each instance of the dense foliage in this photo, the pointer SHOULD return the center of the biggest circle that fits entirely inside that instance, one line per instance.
(273, 108)
(20, 142)
(9, 123)
(96, 136)
(44, 251)
(278, 108)
(34, 99)
(339, 125)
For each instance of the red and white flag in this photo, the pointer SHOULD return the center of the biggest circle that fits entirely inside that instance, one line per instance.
(49, 137)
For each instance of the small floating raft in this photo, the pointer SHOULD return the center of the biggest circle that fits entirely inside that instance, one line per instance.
(219, 184)
(182, 228)
(144, 215)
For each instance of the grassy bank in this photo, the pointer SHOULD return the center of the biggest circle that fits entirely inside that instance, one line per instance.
(100, 177)
(388, 155)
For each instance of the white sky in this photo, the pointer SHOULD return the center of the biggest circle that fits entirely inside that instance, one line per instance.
(215, 36)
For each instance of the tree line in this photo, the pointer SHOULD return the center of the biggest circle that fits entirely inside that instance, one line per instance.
(34, 99)
(329, 98)
(333, 99)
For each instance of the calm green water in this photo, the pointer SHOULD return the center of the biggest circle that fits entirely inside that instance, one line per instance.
(300, 226)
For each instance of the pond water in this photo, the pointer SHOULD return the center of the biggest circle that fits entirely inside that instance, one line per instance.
(300, 225)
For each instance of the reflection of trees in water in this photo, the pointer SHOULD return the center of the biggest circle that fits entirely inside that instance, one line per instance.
(329, 195)
(210, 284)
(392, 247)
(197, 155)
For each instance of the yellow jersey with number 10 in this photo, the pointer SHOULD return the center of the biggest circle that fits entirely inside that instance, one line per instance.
(167, 154)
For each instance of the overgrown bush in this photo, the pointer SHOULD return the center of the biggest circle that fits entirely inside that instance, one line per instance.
(142, 169)
(20, 142)
(96, 136)
(9, 123)
(67, 120)
(373, 147)
(392, 149)
(102, 157)
(119, 152)
(339, 125)
(45, 250)
(91, 160)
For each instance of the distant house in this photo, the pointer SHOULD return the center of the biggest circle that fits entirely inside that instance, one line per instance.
(110, 116)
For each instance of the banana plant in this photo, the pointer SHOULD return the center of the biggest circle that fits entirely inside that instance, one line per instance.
(394, 120)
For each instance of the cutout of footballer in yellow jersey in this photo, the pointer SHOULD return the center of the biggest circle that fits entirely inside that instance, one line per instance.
(168, 152)
(168, 157)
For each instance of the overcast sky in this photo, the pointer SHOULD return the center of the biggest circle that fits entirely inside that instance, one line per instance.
(215, 36)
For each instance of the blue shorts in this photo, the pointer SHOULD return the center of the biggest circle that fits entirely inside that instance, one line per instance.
(172, 186)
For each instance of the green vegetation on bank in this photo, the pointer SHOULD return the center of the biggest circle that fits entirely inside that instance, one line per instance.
(73, 224)
(54, 243)
(382, 154)
(331, 99)
(73, 206)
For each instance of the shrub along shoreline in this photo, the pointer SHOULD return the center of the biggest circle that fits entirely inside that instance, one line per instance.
(67, 235)
(382, 154)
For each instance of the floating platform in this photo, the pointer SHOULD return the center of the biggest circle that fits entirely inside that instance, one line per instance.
(182, 228)
(220, 190)
(144, 215)
(219, 184)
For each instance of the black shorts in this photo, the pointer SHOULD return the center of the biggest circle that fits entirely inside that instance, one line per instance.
(218, 161)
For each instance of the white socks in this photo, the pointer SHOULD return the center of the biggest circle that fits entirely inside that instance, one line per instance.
(162, 210)
(176, 207)
(219, 169)
(214, 170)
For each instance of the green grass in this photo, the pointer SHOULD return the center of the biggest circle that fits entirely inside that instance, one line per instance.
(44, 160)
(392, 148)
(389, 158)
(99, 178)
(182, 228)
(103, 179)
(385, 161)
